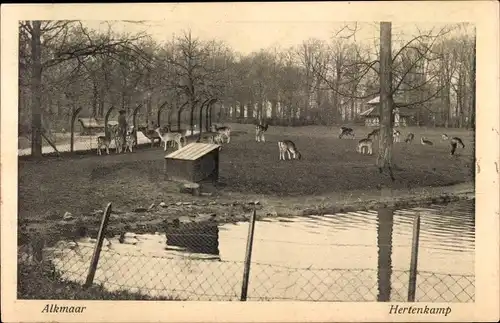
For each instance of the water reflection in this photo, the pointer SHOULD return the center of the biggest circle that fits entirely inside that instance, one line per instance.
(194, 237)
(355, 256)
(385, 222)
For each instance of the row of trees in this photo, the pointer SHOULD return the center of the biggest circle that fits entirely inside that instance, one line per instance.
(64, 65)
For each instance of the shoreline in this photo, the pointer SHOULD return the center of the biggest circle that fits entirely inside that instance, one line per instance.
(231, 208)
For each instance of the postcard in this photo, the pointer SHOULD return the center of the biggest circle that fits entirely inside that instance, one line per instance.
(237, 162)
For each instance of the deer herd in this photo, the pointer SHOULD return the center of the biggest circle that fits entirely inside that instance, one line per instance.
(123, 141)
(126, 140)
(365, 145)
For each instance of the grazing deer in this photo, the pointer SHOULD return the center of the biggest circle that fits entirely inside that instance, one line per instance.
(218, 139)
(225, 131)
(454, 142)
(150, 134)
(396, 135)
(425, 142)
(346, 131)
(374, 133)
(287, 146)
(444, 136)
(259, 132)
(409, 138)
(171, 136)
(207, 137)
(365, 144)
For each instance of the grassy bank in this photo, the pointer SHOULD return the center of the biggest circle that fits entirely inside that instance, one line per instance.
(41, 281)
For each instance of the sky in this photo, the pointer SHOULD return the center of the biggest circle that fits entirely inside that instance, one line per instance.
(246, 36)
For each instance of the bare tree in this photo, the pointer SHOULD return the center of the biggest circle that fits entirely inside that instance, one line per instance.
(55, 42)
(384, 158)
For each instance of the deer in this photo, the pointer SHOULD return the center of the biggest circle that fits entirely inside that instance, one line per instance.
(171, 136)
(225, 131)
(374, 133)
(130, 141)
(454, 142)
(105, 141)
(365, 145)
(150, 134)
(396, 134)
(409, 138)
(259, 132)
(288, 146)
(346, 131)
(425, 142)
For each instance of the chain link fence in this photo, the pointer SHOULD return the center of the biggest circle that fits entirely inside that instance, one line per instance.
(185, 264)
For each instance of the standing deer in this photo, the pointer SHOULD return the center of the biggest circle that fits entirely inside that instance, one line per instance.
(259, 132)
(171, 136)
(287, 146)
(225, 131)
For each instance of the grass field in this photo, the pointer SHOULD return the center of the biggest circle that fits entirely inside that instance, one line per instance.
(81, 184)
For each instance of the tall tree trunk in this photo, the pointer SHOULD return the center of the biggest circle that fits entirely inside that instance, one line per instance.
(36, 90)
(335, 106)
(384, 158)
(447, 103)
(242, 110)
(353, 107)
(274, 110)
(95, 97)
(336, 100)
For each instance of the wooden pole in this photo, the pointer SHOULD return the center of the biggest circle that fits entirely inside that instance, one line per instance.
(97, 250)
(414, 259)
(248, 256)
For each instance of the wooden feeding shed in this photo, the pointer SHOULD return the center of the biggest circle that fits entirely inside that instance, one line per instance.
(194, 163)
(402, 115)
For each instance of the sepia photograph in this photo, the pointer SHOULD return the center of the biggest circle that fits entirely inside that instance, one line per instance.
(248, 157)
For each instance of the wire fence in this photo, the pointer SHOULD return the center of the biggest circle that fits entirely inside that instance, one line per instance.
(79, 133)
(190, 267)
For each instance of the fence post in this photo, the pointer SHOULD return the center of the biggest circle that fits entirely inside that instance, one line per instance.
(414, 259)
(248, 256)
(97, 250)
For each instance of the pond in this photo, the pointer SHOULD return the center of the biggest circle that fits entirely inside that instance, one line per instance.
(355, 256)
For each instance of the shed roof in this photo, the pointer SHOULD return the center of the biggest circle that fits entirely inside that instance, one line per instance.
(192, 151)
(397, 99)
(374, 112)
